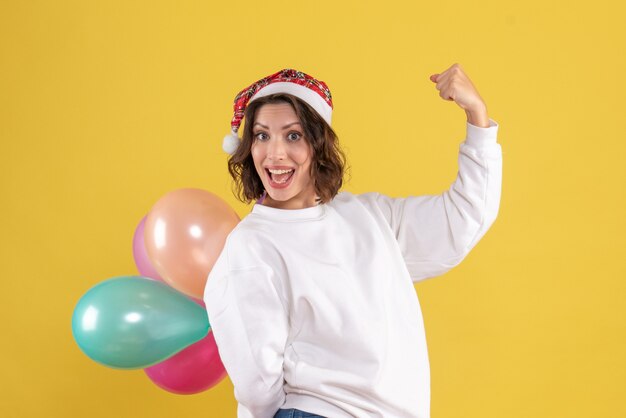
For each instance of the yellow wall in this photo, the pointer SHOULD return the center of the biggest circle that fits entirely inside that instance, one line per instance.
(106, 106)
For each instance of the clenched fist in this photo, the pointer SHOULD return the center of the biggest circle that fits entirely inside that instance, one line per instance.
(453, 84)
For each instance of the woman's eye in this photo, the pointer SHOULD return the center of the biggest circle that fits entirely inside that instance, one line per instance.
(259, 136)
(294, 136)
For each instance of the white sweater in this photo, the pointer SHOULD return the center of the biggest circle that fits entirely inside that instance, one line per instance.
(315, 308)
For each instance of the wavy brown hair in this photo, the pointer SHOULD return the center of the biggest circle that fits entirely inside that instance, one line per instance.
(328, 160)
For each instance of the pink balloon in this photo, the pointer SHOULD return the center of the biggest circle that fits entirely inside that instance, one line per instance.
(142, 261)
(198, 301)
(192, 370)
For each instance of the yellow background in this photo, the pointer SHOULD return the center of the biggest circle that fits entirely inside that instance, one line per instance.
(106, 106)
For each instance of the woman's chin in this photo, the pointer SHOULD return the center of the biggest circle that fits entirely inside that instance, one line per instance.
(277, 198)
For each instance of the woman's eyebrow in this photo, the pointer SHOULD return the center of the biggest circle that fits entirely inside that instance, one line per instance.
(284, 127)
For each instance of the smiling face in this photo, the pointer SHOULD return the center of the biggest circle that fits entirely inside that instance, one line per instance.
(282, 157)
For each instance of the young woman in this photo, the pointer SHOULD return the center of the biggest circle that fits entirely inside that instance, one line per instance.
(311, 301)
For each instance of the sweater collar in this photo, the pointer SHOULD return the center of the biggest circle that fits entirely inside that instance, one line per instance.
(311, 213)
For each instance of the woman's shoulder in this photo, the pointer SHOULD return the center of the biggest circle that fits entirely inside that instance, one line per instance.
(246, 230)
(345, 197)
(375, 204)
(249, 235)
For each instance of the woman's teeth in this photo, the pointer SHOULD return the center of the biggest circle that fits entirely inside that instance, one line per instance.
(279, 171)
(280, 176)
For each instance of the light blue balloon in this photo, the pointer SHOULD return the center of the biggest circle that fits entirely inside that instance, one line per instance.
(134, 322)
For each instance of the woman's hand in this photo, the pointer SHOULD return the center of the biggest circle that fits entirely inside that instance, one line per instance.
(454, 84)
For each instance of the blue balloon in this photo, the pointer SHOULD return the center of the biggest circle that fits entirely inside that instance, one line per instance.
(134, 322)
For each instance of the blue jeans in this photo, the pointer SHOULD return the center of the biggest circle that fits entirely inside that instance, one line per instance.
(295, 413)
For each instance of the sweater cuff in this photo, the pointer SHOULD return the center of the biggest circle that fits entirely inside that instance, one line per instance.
(479, 137)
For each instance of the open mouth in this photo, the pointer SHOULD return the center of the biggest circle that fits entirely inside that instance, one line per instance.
(280, 178)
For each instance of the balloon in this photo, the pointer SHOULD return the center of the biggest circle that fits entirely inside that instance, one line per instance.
(184, 234)
(135, 322)
(193, 370)
(142, 261)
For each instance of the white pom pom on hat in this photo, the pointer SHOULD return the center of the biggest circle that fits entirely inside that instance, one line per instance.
(231, 143)
(314, 92)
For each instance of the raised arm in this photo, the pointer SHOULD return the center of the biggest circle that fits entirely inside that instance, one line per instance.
(435, 232)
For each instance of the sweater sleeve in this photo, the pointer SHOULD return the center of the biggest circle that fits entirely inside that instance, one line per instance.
(250, 326)
(436, 232)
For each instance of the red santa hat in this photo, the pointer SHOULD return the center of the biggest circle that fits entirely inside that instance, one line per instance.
(312, 91)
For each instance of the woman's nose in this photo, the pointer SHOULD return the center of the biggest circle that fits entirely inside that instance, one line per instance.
(276, 148)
